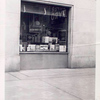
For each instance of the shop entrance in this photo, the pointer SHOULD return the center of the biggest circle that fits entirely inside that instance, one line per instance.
(43, 36)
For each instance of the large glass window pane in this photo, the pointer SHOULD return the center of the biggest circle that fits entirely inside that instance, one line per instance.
(44, 28)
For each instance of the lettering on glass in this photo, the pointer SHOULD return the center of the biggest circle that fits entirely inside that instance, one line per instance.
(44, 11)
(57, 12)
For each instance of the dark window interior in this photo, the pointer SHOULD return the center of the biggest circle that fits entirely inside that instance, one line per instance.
(43, 28)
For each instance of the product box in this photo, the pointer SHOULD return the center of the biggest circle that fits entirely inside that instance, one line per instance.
(23, 48)
(62, 48)
(50, 39)
(31, 47)
(52, 47)
(45, 39)
(57, 47)
(28, 49)
(35, 29)
(37, 48)
(43, 47)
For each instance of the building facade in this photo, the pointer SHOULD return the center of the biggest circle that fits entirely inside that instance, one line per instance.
(77, 18)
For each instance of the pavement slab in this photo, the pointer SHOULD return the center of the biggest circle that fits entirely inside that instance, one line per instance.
(58, 72)
(9, 77)
(35, 89)
(19, 75)
(80, 86)
(51, 84)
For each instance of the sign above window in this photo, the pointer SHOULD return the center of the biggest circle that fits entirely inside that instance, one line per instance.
(43, 9)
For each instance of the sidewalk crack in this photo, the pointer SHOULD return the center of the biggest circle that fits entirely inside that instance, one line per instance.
(62, 90)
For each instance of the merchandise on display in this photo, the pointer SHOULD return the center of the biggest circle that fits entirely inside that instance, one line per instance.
(32, 47)
(45, 39)
(28, 49)
(23, 49)
(37, 47)
(43, 47)
(62, 48)
(57, 47)
(52, 47)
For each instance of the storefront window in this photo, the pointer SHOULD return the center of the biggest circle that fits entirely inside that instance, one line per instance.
(44, 28)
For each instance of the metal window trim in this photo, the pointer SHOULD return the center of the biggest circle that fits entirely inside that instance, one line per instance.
(48, 2)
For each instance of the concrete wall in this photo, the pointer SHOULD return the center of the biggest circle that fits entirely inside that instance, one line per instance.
(12, 61)
(43, 61)
(81, 37)
(84, 27)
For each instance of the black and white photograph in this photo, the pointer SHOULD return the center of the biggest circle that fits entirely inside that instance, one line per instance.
(50, 50)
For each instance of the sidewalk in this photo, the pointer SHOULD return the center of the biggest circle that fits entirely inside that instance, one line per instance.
(50, 84)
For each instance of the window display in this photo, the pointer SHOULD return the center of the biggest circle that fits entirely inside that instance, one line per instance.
(44, 28)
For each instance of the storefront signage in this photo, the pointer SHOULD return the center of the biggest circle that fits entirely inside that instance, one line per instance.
(56, 11)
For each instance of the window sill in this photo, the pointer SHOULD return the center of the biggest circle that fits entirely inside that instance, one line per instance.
(52, 52)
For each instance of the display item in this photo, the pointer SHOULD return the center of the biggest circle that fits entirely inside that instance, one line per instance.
(37, 47)
(28, 49)
(32, 47)
(52, 47)
(35, 29)
(44, 47)
(62, 48)
(57, 47)
(45, 39)
(23, 49)
(54, 40)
